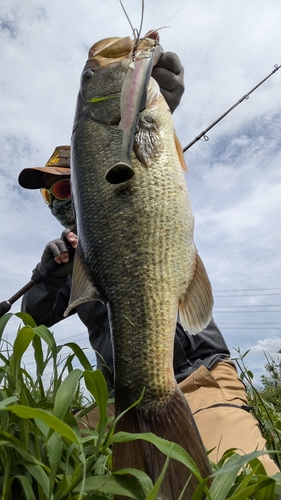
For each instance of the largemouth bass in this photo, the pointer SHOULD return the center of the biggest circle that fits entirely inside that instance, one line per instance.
(136, 254)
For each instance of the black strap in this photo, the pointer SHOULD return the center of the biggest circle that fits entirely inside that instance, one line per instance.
(243, 407)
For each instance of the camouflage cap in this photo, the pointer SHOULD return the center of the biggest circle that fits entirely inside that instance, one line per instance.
(58, 164)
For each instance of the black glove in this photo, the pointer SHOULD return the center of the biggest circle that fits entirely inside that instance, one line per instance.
(169, 74)
(54, 248)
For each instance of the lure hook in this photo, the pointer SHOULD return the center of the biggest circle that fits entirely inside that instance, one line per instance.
(136, 32)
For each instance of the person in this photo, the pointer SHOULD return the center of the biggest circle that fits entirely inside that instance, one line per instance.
(202, 365)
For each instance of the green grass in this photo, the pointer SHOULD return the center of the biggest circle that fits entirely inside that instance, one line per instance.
(43, 455)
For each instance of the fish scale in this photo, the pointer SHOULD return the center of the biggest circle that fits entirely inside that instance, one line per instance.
(140, 232)
(136, 253)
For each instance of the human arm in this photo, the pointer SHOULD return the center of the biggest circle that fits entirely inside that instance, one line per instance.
(47, 301)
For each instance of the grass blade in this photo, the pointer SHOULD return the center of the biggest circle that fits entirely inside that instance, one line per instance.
(65, 393)
(53, 422)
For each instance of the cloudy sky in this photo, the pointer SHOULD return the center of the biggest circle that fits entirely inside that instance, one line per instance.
(227, 47)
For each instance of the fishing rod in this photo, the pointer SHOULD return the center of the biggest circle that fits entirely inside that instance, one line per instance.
(244, 98)
(37, 277)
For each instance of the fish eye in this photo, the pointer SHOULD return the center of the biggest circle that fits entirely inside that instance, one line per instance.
(88, 74)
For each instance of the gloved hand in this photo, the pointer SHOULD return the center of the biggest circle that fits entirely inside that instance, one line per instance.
(59, 249)
(169, 74)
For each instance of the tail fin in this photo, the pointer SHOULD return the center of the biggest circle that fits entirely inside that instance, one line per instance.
(174, 422)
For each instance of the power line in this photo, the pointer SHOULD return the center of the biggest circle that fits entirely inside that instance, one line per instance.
(250, 312)
(248, 289)
(251, 295)
(261, 324)
(248, 328)
(249, 306)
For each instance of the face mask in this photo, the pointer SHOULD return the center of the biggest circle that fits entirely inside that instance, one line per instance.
(63, 212)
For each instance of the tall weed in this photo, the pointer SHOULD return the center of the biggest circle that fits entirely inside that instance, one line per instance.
(266, 412)
(44, 456)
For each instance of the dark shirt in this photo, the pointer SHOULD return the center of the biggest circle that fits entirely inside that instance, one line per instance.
(47, 302)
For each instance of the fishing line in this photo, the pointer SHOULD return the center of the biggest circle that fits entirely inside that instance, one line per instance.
(124, 10)
(180, 10)
(244, 98)
(136, 32)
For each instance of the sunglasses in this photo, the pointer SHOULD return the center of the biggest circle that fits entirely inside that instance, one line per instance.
(60, 190)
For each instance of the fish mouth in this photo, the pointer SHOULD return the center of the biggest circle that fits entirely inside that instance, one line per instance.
(115, 49)
(111, 49)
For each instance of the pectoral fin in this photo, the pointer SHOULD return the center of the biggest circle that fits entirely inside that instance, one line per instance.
(82, 289)
(195, 307)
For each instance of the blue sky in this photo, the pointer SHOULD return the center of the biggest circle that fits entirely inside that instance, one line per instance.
(234, 179)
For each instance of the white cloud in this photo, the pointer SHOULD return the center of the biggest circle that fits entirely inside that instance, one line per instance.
(234, 179)
(270, 346)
